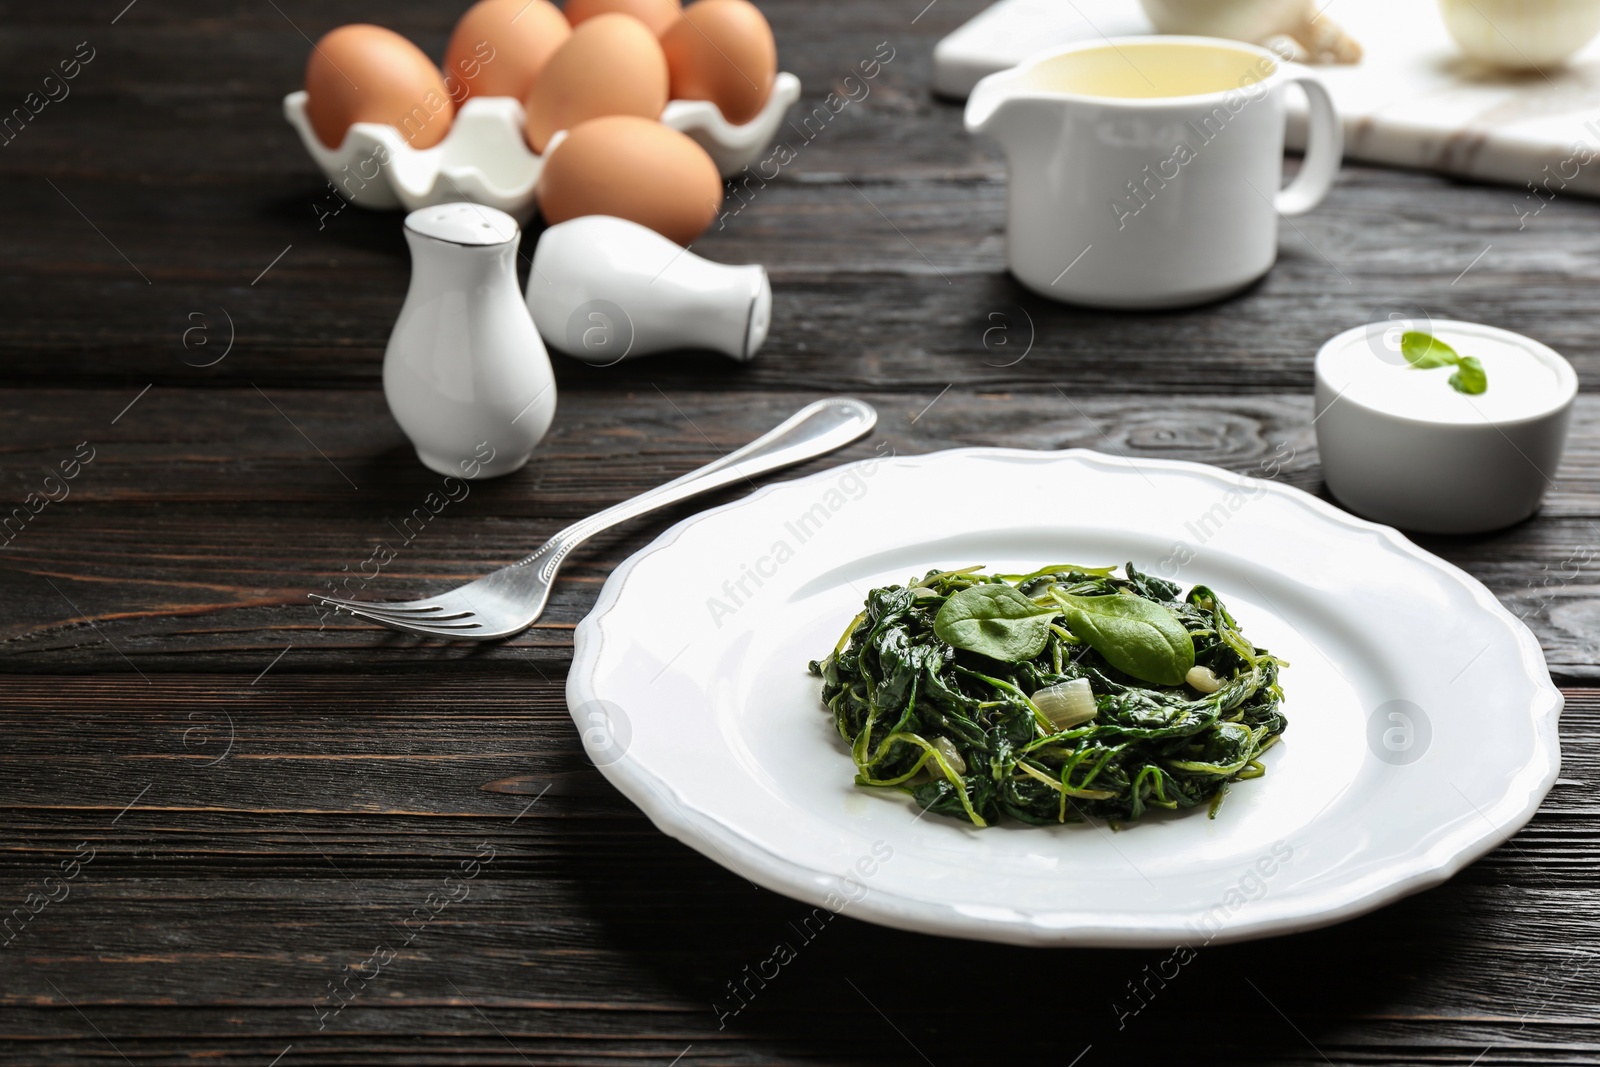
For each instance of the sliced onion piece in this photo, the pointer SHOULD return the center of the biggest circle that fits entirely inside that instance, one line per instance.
(947, 748)
(1067, 704)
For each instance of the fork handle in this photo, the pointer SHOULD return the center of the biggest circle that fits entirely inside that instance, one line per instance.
(814, 430)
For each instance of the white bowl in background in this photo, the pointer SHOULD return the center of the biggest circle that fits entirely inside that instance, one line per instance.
(1521, 34)
(485, 159)
(1402, 446)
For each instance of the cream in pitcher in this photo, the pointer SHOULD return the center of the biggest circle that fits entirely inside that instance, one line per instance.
(1145, 171)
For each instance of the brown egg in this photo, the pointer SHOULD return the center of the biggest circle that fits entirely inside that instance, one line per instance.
(635, 169)
(657, 14)
(364, 73)
(722, 51)
(611, 65)
(500, 46)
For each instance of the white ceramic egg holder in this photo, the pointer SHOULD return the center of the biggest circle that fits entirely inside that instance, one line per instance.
(485, 159)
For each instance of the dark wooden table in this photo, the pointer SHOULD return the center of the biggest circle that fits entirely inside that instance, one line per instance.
(251, 796)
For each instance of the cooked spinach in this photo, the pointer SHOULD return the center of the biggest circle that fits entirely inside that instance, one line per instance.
(1137, 636)
(995, 621)
(932, 686)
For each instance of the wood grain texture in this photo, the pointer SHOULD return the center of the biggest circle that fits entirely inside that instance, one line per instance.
(884, 237)
(186, 554)
(249, 844)
(269, 793)
(899, 300)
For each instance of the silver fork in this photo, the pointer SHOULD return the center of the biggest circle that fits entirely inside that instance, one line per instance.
(509, 600)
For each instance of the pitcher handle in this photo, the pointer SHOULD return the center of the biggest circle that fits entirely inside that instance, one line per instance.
(1324, 148)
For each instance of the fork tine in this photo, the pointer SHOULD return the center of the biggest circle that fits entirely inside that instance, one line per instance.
(380, 608)
(396, 607)
(429, 620)
(403, 626)
(469, 622)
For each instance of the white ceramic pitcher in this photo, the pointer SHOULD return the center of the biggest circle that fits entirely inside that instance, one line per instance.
(466, 375)
(1145, 171)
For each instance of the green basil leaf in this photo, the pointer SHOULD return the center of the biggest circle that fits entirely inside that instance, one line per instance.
(1423, 350)
(1136, 636)
(994, 621)
(1469, 376)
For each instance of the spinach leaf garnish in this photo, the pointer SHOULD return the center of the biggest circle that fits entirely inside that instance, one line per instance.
(994, 621)
(932, 686)
(1469, 376)
(1425, 351)
(1137, 636)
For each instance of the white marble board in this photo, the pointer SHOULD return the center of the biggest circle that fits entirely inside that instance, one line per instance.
(1413, 101)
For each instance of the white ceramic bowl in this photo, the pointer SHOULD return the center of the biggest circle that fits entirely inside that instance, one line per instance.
(1521, 34)
(1401, 446)
(485, 159)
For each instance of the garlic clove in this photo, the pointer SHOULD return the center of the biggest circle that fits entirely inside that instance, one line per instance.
(1325, 40)
(1257, 21)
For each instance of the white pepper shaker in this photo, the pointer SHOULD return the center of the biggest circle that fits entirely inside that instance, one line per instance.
(604, 289)
(465, 373)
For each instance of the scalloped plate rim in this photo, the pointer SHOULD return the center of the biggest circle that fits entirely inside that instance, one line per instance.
(709, 836)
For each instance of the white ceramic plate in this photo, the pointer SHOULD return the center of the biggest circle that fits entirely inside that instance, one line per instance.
(1422, 719)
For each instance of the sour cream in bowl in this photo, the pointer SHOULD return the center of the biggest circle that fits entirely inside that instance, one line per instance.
(1402, 446)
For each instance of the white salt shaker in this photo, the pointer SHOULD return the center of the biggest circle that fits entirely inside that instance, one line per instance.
(465, 373)
(604, 289)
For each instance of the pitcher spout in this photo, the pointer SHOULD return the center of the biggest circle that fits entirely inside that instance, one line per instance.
(989, 100)
(1008, 108)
